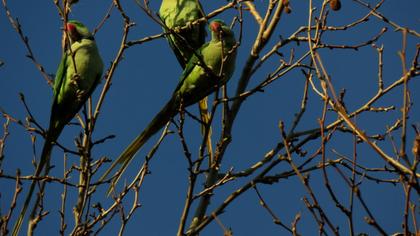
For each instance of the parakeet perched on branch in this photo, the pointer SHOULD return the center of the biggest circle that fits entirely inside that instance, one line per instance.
(197, 81)
(177, 14)
(78, 74)
(181, 13)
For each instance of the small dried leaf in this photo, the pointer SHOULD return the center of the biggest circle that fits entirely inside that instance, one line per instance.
(416, 146)
(335, 5)
(287, 7)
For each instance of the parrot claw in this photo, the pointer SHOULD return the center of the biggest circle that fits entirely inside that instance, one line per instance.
(189, 25)
(80, 95)
(74, 80)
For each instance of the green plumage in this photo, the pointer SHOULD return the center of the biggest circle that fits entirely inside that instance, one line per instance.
(196, 83)
(78, 74)
(181, 13)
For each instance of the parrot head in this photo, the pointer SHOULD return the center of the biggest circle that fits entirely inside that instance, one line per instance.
(219, 29)
(77, 31)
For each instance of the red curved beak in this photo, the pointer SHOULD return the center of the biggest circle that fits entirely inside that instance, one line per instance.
(70, 27)
(215, 27)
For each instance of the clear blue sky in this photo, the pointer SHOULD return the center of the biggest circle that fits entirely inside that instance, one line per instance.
(143, 82)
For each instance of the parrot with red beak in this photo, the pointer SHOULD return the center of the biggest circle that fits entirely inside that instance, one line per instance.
(196, 82)
(78, 74)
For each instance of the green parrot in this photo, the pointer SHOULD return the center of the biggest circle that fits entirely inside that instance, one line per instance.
(179, 13)
(196, 82)
(78, 74)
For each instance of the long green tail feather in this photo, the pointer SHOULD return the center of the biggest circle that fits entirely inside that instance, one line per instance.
(160, 120)
(45, 158)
